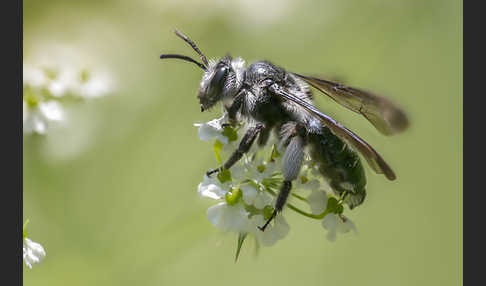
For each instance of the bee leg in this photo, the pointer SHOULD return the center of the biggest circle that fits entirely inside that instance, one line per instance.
(212, 171)
(264, 135)
(281, 199)
(291, 164)
(234, 108)
(244, 146)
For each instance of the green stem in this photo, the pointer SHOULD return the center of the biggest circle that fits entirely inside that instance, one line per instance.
(304, 213)
(318, 216)
(299, 197)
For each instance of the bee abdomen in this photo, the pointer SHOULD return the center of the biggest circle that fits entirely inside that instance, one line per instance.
(339, 165)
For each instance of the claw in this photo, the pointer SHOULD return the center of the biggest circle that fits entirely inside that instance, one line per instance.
(210, 172)
(262, 228)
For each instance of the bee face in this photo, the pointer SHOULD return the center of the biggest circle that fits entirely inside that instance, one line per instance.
(213, 84)
(222, 79)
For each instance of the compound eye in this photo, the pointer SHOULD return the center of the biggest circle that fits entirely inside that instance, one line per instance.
(219, 77)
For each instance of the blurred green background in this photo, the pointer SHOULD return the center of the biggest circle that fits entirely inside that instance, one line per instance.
(113, 197)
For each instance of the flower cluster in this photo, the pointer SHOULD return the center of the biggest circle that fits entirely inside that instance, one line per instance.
(46, 86)
(246, 193)
(33, 252)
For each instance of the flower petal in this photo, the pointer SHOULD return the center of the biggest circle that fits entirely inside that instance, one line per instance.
(212, 188)
(228, 218)
(317, 201)
(33, 252)
(274, 232)
(212, 129)
(51, 110)
(33, 76)
(345, 225)
(249, 194)
(34, 121)
(330, 222)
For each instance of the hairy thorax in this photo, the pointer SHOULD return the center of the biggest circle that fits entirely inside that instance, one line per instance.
(260, 105)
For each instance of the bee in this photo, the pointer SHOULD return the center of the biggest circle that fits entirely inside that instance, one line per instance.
(275, 100)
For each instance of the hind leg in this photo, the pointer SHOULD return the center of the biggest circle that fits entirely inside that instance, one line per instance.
(291, 164)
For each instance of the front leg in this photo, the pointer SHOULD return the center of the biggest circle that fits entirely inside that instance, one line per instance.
(234, 108)
(244, 146)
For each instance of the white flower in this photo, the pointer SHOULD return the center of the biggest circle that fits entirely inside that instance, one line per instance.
(33, 76)
(33, 252)
(212, 130)
(228, 217)
(212, 188)
(335, 223)
(252, 196)
(36, 118)
(63, 82)
(222, 215)
(274, 232)
(97, 84)
(257, 170)
(317, 201)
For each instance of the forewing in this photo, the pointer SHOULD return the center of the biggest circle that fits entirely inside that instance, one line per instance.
(381, 112)
(372, 157)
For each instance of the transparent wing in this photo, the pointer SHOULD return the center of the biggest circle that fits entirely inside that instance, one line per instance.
(372, 157)
(381, 112)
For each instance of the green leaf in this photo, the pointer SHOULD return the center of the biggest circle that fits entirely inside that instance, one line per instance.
(241, 239)
(230, 133)
(224, 176)
(218, 146)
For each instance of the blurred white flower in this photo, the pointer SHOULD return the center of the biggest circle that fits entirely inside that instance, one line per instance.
(33, 252)
(273, 233)
(53, 73)
(63, 81)
(228, 217)
(335, 223)
(93, 84)
(36, 118)
(317, 201)
(33, 76)
(212, 130)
